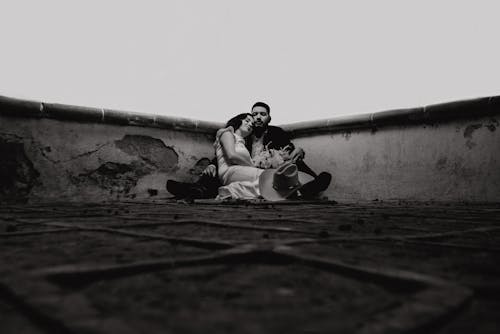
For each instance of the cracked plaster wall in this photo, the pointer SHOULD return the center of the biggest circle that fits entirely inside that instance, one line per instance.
(454, 161)
(50, 160)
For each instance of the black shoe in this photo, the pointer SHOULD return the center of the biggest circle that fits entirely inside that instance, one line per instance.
(186, 190)
(197, 192)
(319, 184)
(178, 189)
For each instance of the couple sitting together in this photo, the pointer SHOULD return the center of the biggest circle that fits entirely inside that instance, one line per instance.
(254, 159)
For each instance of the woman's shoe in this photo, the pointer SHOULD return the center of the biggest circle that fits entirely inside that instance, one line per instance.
(178, 189)
(186, 190)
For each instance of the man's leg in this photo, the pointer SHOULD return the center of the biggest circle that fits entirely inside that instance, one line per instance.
(303, 167)
(319, 184)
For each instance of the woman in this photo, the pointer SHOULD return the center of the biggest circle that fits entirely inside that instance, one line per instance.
(239, 177)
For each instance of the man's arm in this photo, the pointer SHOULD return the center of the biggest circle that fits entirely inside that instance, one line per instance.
(279, 139)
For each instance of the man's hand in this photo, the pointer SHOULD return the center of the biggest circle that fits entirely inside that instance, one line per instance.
(297, 154)
(210, 170)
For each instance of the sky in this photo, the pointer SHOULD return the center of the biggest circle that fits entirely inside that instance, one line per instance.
(211, 60)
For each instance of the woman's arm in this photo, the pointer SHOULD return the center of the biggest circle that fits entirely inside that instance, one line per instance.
(227, 143)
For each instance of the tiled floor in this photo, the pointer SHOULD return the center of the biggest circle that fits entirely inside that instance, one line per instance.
(205, 267)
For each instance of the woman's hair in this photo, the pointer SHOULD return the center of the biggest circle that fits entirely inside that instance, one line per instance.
(236, 121)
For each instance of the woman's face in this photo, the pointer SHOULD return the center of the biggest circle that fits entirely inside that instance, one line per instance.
(246, 126)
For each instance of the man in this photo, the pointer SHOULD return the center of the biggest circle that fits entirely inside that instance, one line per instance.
(264, 137)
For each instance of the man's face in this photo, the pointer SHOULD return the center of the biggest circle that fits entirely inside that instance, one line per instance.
(261, 117)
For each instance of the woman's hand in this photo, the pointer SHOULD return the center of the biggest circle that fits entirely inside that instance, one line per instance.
(210, 170)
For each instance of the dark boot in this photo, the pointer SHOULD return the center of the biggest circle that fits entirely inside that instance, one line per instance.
(210, 184)
(186, 190)
(314, 187)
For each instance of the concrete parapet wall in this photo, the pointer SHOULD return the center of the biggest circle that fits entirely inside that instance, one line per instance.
(428, 115)
(31, 109)
(54, 152)
(444, 152)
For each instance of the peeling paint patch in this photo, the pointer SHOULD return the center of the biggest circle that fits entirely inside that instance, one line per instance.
(459, 168)
(470, 144)
(115, 177)
(456, 167)
(346, 134)
(152, 192)
(45, 151)
(441, 163)
(151, 151)
(17, 173)
(493, 124)
(200, 166)
(470, 129)
(369, 162)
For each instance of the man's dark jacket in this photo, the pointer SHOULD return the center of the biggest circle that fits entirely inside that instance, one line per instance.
(274, 138)
(277, 138)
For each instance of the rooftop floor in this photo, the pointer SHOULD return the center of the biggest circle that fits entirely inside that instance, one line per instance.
(166, 266)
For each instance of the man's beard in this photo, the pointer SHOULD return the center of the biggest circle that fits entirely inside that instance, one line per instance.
(258, 130)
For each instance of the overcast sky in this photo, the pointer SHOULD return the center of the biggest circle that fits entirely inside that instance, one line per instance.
(210, 60)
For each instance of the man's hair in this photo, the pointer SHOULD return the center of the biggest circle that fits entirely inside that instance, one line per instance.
(262, 104)
(236, 121)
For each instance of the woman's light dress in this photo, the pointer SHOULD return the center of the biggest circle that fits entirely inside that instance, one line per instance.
(239, 182)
